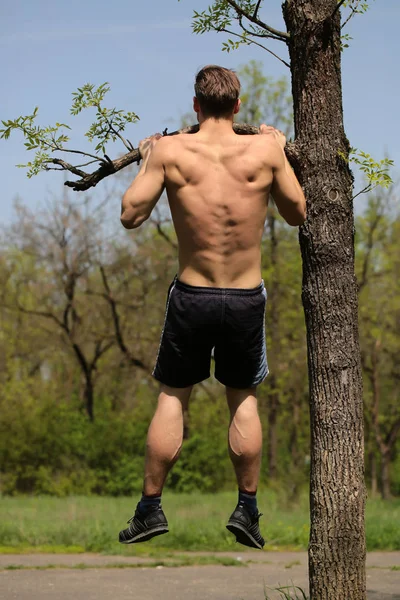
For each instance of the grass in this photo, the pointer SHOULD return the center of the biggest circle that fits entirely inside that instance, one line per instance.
(287, 592)
(197, 523)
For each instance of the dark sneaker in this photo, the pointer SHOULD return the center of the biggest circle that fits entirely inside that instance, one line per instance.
(245, 527)
(144, 527)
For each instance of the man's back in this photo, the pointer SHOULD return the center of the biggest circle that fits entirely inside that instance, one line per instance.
(218, 185)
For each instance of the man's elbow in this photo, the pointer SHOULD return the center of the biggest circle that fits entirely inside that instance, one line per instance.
(132, 216)
(297, 218)
(132, 222)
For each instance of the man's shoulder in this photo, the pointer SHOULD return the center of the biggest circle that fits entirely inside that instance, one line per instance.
(165, 147)
(266, 147)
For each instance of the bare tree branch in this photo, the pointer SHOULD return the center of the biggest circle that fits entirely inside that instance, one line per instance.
(256, 9)
(367, 256)
(38, 313)
(393, 433)
(255, 33)
(117, 325)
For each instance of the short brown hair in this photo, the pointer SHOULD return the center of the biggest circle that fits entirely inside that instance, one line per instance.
(217, 90)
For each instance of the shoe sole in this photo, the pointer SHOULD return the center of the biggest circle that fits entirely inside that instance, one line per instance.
(146, 535)
(242, 535)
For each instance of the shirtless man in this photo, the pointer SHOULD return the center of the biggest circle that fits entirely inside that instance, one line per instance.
(218, 184)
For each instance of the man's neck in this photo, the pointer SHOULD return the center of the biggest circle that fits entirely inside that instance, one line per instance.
(219, 126)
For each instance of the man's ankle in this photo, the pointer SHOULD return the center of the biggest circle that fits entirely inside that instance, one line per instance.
(249, 499)
(149, 502)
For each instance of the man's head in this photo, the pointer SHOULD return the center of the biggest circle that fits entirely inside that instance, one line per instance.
(216, 93)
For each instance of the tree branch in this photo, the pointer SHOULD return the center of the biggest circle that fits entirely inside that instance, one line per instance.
(393, 433)
(117, 325)
(67, 167)
(370, 245)
(89, 180)
(248, 41)
(256, 9)
(260, 35)
(336, 9)
(282, 35)
(351, 15)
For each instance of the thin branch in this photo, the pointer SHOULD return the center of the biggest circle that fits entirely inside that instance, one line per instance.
(370, 245)
(91, 162)
(165, 235)
(37, 313)
(98, 353)
(260, 35)
(55, 148)
(351, 15)
(393, 433)
(98, 158)
(66, 167)
(256, 9)
(117, 324)
(117, 133)
(367, 189)
(282, 35)
(257, 44)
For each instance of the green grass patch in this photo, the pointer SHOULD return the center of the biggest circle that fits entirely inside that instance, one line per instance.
(197, 523)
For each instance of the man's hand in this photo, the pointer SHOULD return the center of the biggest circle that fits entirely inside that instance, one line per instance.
(147, 145)
(278, 135)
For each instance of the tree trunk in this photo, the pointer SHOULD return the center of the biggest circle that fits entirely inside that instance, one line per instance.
(337, 493)
(374, 474)
(272, 437)
(294, 427)
(89, 396)
(385, 462)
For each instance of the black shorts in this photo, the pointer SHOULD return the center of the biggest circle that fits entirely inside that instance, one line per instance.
(199, 320)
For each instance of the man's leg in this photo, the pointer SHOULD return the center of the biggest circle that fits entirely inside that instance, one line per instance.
(245, 445)
(164, 442)
(164, 438)
(245, 437)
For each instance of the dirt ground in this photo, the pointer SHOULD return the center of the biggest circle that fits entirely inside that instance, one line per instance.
(97, 577)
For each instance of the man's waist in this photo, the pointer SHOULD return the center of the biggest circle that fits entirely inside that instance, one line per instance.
(216, 290)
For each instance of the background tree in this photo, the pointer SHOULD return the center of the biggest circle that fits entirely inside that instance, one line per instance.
(378, 268)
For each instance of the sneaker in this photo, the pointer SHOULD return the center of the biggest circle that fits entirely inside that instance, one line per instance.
(144, 527)
(245, 527)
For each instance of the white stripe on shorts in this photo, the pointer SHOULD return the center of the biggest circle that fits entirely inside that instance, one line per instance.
(165, 320)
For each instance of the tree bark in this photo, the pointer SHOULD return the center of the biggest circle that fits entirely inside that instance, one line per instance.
(273, 391)
(337, 490)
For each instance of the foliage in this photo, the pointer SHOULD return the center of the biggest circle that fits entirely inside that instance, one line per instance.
(108, 126)
(110, 121)
(376, 172)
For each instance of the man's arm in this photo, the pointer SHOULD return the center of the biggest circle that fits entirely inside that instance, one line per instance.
(143, 194)
(285, 189)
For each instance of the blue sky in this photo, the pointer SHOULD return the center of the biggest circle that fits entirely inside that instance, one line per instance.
(148, 54)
